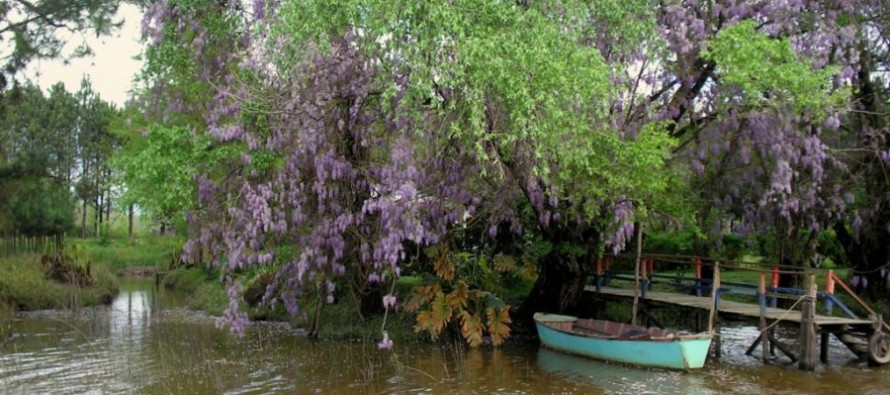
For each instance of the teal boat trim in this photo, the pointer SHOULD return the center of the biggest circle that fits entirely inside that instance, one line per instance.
(605, 340)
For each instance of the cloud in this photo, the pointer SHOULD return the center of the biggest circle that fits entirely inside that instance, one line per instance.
(111, 68)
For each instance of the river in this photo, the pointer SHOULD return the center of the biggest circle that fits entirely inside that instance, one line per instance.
(147, 343)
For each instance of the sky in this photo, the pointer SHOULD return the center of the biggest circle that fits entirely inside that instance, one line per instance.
(111, 69)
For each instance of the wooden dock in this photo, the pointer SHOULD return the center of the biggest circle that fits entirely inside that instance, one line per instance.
(869, 339)
(728, 309)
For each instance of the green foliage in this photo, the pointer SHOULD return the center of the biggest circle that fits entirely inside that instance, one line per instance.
(628, 23)
(187, 279)
(824, 245)
(49, 146)
(831, 250)
(769, 72)
(41, 207)
(118, 252)
(159, 169)
(731, 247)
(685, 242)
(175, 61)
(675, 243)
(209, 297)
(7, 316)
(525, 81)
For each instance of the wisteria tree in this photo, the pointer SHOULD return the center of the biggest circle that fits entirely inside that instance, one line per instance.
(756, 92)
(357, 133)
(369, 129)
(863, 143)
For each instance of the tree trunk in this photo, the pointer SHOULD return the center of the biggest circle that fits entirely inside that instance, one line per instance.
(561, 274)
(98, 200)
(83, 220)
(97, 204)
(130, 223)
(108, 198)
(559, 287)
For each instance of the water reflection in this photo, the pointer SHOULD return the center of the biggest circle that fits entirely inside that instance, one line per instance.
(619, 379)
(146, 343)
(130, 314)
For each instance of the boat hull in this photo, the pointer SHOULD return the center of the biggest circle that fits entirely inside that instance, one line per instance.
(679, 353)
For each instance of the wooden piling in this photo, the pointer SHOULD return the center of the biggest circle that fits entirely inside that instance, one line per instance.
(644, 277)
(829, 292)
(713, 329)
(808, 328)
(633, 319)
(829, 305)
(775, 285)
(764, 329)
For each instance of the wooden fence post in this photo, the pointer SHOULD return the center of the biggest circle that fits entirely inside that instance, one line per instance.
(713, 327)
(633, 319)
(764, 329)
(644, 277)
(829, 305)
(808, 328)
(774, 282)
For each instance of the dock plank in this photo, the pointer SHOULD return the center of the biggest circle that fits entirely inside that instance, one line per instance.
(727, 307)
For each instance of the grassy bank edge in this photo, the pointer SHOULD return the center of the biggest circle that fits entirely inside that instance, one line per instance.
(339, 321)
(24, 286)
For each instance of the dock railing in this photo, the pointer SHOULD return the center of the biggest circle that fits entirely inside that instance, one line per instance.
(675, 271)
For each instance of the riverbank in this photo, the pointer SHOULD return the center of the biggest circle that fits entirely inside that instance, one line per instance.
(25, 285)
(339, 320)
(146, 251)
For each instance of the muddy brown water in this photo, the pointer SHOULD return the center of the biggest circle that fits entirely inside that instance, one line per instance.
(147, 343)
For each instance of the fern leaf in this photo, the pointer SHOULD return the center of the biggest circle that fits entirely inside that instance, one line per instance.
(498, 324)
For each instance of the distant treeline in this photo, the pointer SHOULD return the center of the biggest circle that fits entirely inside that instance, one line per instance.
(55, 148)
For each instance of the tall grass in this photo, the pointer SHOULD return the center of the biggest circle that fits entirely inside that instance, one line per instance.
(24, 286)
(7, 313)
(146, 250)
